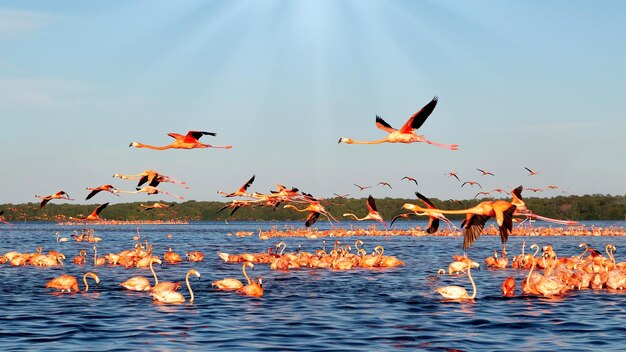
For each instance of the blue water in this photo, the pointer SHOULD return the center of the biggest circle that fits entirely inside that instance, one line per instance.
(306, 309)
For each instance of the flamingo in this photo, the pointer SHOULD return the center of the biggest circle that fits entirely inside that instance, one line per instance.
(410, 179)
(172, 257)
(458, 292)
(173, 296)
(433, 222)
(58, 195)
(69, 282)
(96, 190)
(406, 133)
(80, 258)
(315, 208)
(151, 190)
(61, 239)
(344, 196)
(254, 289)
(156, 205)
(454, 174)
(472, 183)
(385, 184)
(508, 287)
(140, 283)
(531, 172)
(372, 214)
(477, 216)
(241, 191)
(188, 141)
(229, 284)
(195, 256)
(484, 193)
(362, 187)
(97, 261)
(484, 173)
(94, 216)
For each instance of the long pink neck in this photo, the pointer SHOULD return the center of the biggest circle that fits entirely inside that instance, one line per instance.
(153, 147)
(384, 140)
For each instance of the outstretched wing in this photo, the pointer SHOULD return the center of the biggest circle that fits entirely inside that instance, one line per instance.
(417, 120)
(311, 219)
(381, 124)
(92, 193)
(198, 134)
(99, 209)
(473, 228)
(371, 204)
(518, 192)
(426, 201)
(247, 184)
(507, 223)
(433, 225)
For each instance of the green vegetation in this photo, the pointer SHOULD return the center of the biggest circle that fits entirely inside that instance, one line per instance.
(587, 207)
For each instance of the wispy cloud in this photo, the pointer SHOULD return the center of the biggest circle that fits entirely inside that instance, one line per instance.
(46, 93)
(13, 22)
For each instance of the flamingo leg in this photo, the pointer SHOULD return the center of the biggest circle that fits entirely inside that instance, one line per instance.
(447, 146)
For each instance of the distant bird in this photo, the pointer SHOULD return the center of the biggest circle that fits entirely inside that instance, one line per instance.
(453, 174)
(156, 205)
(535, 190)
(471, 183)
(552, 187)
(94, 216)
(385, 184)
(188, 141)
(241, 192)
(151, 190)
(58, 195)
(410, 179)
(315, 209)
(405, 134)
(483, 193)
(531, 172)
(499, 190)
(485, 172)
(96, 190)
(433, 221)
(341, 196)
(362, 187)
(455, 201)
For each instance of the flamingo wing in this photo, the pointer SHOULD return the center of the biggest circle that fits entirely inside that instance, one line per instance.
(381, 124)
(426, 201)
(371, 204)
(398, 217)
(433, 225)
(92, 193)
(99, 209)
(506, 226)
(311, 219)
(198, 134)
(473, 228)
(417, 120)
(247, 184)
(517, 192)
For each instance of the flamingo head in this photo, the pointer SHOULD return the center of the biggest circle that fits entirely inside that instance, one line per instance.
(345, 140)
(135, 144)
(260, 281)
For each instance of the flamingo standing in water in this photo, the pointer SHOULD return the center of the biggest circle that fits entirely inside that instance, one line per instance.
(96, 190)
(372, 214)
(477, 216)
(140, 283)
(253, 289)
(188, 141)
(458, 292)
(58, 195)
(68, 283)
(406, 133)
(174, 296)
(94, 216)
(230, 284)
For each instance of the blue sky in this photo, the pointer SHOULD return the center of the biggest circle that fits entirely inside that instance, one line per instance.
(521, 83)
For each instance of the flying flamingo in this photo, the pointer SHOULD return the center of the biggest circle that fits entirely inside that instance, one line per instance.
(531, 172)
(69, 282)
(315, 208)
(58, 195)
(406, 133)
(372, 212)
(96, 190)
(94, 216)
(434, 217)
(341, 196)
(241, 191)
(472, 183)
(454, 174)
(188, 141)
(410, 179)
(174, 296)
(362, 187)
(477, 216)
(484, 173)
(229, 284)
(385, 184)
(458, 292)
(482, 193)
(151, 190)
(156, 205)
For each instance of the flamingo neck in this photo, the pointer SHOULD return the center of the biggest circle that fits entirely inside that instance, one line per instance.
(156, 279)
(141, 145)
(191, 298)
(351, 141)
(245, 274)
(469, 274)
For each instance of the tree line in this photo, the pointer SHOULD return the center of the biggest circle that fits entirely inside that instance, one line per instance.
(573, 207)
